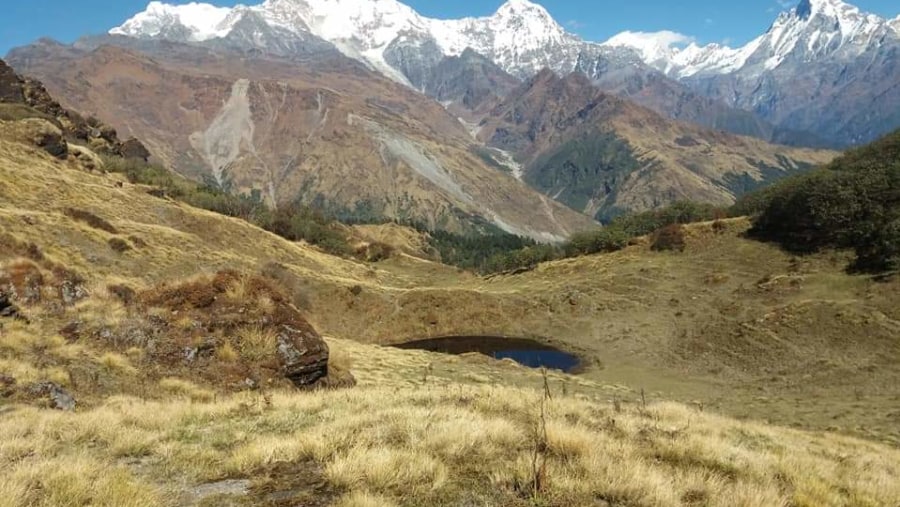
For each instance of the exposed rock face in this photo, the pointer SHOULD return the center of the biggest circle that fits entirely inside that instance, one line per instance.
(10, 85)
(35, 102)
(469, 81)
(303, 354)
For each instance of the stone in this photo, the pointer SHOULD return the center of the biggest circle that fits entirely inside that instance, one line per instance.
(303, 355)
(72, 291)
(8, 309)
(54, 144)
(204, 350)
(133, 149)
(60, 399)
(215, 490)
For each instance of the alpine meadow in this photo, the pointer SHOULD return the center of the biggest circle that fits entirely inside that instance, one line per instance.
(342, 253)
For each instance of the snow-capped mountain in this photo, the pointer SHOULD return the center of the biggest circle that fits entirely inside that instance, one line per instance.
(814, 30)
(521, 37)
(821, 43)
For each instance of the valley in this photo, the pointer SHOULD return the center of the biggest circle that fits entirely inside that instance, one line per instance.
(339, 253)
(731, 325)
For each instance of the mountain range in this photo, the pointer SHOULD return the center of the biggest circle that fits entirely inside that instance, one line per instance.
(371, 111)
(823, 68)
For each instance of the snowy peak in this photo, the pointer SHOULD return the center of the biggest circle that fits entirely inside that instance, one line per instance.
(822, 28)
(521, 36)
(522, 26)
(834, 14)
(524, 10)
(831, 8)
(197, 21)
(814, 29)
(657, 49)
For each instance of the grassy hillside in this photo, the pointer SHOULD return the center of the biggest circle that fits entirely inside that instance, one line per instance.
(473, 438)
(729, 326)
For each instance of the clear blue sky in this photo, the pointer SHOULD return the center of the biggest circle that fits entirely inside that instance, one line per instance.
(730, 21)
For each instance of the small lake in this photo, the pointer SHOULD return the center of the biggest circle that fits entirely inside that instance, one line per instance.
(530, 353)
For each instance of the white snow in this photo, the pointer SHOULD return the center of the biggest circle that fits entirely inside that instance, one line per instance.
(205, 21)
(363, 29)
(814, 34)
(522, 37)
(658, 49)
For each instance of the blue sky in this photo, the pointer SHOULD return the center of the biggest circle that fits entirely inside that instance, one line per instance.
(734, 22)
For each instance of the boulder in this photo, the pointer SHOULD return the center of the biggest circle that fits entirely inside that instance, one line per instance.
(54, 144)
(133, 149)
(7, 308)
(59, 398)
(70, 287)
(303, 355)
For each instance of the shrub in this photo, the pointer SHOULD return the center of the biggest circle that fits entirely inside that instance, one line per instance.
(852, 203)
(669, 238)
(294, 222)
(123, 293)
(119, 245)
(608, 239)
(91, 219)
(375, 252)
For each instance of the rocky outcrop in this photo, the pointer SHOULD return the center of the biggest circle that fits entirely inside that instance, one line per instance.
(303, 354)
(58, 398)
(224, 307)
(31, 99)
(10, 85)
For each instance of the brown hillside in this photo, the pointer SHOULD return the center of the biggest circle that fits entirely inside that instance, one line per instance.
(324, 130)
(729, 324)
(602, 154)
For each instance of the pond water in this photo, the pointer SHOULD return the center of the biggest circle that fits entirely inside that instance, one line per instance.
(524, 351)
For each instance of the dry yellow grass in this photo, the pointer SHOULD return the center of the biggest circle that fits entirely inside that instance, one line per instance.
(184, 388)
(255, 343)
(424, 429)
(389, 442)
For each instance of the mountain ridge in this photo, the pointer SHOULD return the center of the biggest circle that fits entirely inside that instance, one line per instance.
(604, 155)
(328, 132)
(826, 37)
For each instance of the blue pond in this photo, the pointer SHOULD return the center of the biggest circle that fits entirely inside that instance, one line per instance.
(524, 351)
